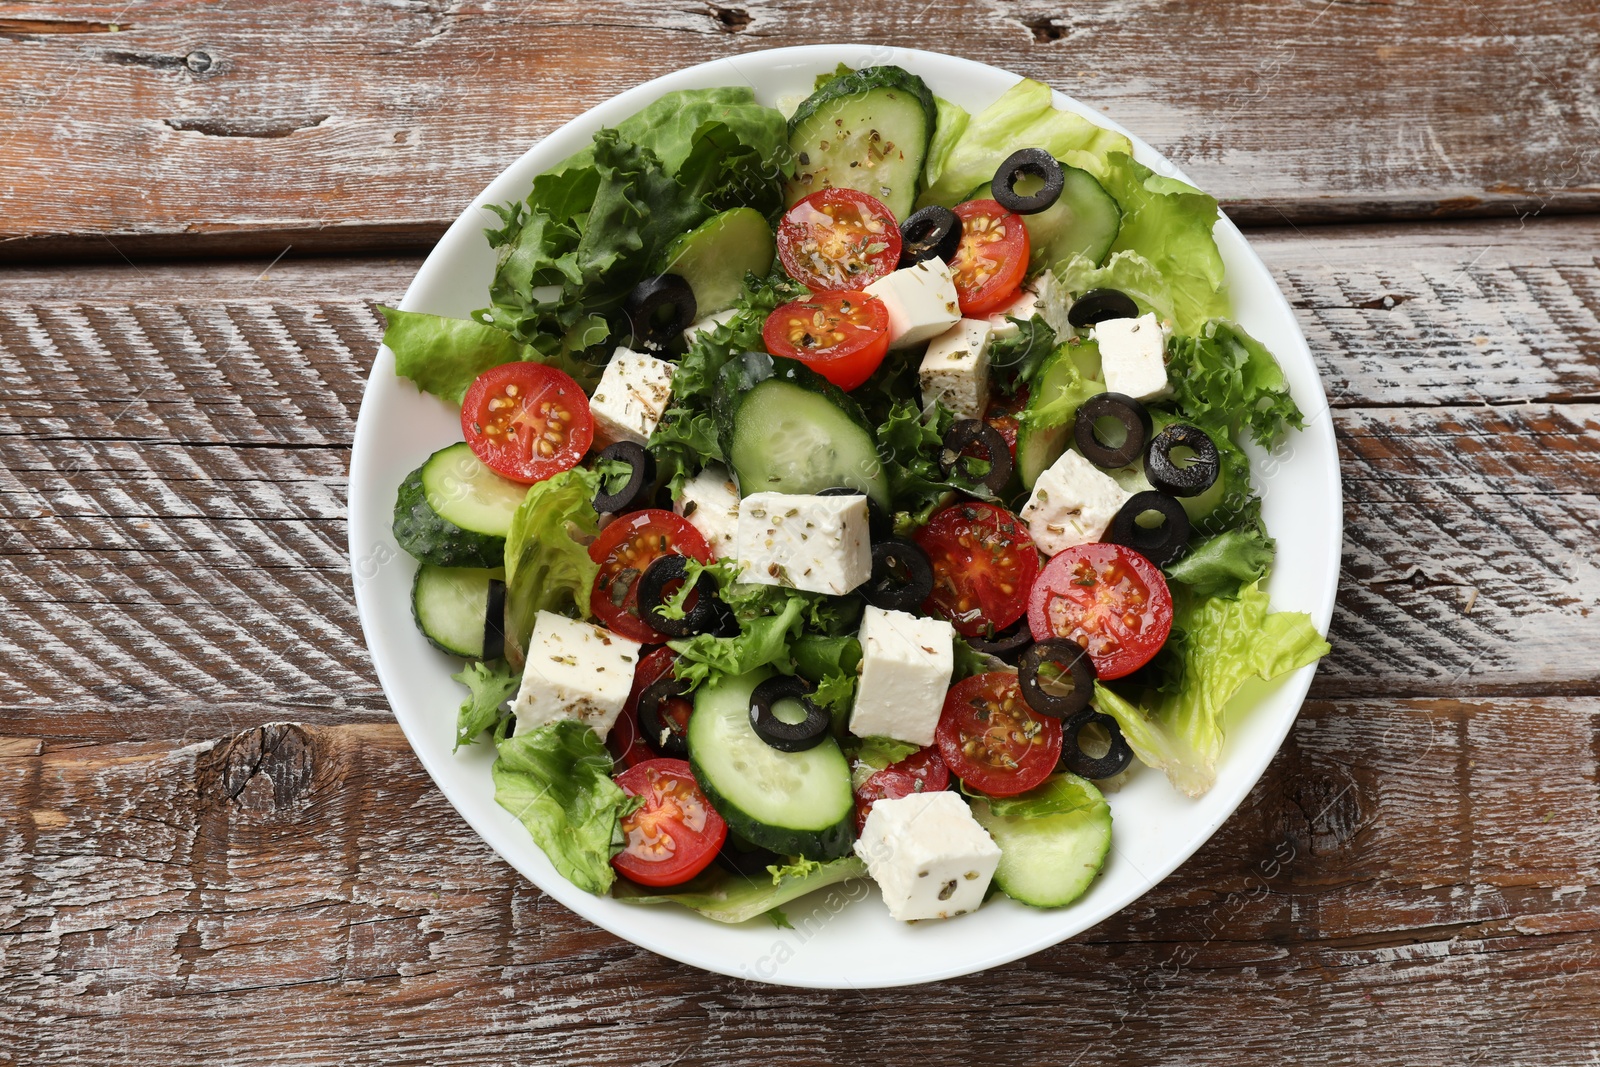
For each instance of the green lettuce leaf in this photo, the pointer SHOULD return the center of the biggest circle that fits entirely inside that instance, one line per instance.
(909, 447)
(1059, 794)
(1224, 564)
(442, 356)
(1024, 115)
(556, 780)
(876, 753)
(1222, 376)
(598, 223)
(489, 686)
(547, 557)
(1168, 223)
(762, 642)
(1015, 361)
(1226, 642)
(950, 123)
(1126, 271)
(733, 898)
(969, 661)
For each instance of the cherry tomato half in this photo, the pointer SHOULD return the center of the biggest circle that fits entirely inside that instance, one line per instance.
(992, 258)
(624, 550)
(675, 834)
(1107, 598)
(1002, 414)
(838, 239)
(992, 740)
(921, 772)
(843, 336)
(984, 564)
(527, 421)
(624, 741)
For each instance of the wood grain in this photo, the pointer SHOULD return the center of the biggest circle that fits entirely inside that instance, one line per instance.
(199, 127)
(1413, 905)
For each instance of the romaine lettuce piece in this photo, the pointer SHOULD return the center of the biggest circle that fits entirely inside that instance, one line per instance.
(1226, 642)
(732, 898)
(556, 779)
(547, 567)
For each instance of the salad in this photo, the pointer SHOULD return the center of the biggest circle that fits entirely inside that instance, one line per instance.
(857, 491)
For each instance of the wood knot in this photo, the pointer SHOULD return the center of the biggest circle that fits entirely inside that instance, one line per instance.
(269, 768)
(733, 19)
(1046, 29)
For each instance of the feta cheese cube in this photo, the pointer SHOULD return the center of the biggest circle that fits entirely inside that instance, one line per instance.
(1072, 504)
(921, 300)
(816, 543)
(631, 397)
(575, 670)
(1132, 353)
(1023, 308)
(710, 501)
(709, 323)
(930, 857)
(906, 663)
(955, 369)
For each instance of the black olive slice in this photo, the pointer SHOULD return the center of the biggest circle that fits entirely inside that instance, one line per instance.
(1033, 163)
(787, 736)
(1007, 642)
(1079, 762)
(1193, 477)
(1125, 410)
(635, 492)
(902, 577)
(659, 309)
(933, 231)
(494, 621)
(878, 526)
(660, 733)
(1098, 305)
(699, 618)
(1159, 544)
(969, 433)
(1072, 662)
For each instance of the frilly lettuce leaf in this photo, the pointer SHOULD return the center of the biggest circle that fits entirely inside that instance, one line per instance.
(1223, 377)
(556, 780)
(1226, 642)
(489, 686)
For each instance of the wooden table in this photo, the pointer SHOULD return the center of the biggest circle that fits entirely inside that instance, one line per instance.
(216, 846)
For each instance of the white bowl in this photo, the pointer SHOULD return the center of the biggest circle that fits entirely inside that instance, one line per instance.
(842, 938)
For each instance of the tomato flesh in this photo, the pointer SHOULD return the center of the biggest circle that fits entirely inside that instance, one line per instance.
(526, 421)
(1002, 415)
(1109, 599)
(843, 336)
(675, 833)
(624, 550)
(624, 740)
(921, 772)
(992, 740)
(984, 564)
(993, 256)
(838, 239)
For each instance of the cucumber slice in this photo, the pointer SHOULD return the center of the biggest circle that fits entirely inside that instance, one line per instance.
(1083, 222)
(788, 430)
(456, 609)
(794, 803)
(715, 256)
(1049, 860)
(455, 512)
(1039, 447)
(867, 130)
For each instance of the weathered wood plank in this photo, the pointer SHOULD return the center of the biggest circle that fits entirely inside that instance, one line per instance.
(173, 126)
(1408, 884)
